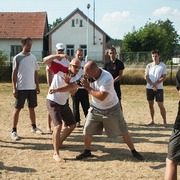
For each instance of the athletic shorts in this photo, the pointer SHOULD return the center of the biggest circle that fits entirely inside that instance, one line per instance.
(59, 112)
(157, 95)
(174, 146)
(111, 120)
(30, 95)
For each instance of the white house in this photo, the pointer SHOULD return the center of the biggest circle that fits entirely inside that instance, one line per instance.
(78, 31)
(16, 25)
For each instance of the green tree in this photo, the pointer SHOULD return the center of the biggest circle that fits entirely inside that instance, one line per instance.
(158, 35)
(3, 58)
(55, 23)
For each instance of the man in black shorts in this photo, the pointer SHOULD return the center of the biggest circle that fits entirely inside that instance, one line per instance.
(173, 157)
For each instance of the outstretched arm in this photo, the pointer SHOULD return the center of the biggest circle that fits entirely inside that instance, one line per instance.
(65, 88)
(48, 59)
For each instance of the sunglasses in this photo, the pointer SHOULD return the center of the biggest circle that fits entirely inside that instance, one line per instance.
(75, 66)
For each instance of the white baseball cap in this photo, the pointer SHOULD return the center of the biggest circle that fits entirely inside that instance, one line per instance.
(60, 46)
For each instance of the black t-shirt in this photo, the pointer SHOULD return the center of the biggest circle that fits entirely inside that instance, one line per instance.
(177, 122)
(114, 67)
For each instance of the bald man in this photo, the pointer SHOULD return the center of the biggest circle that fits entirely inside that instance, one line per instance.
(57, 104)
(104, 111)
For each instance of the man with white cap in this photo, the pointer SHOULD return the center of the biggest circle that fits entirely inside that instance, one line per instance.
(49, 76)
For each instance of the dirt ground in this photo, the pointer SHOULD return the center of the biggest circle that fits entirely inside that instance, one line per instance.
(31, 157)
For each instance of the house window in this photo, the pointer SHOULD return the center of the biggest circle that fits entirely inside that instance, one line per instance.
(70, 50)
(76, 21)
(84, 48)
(15, 49)
(81, 23)
(73, 24)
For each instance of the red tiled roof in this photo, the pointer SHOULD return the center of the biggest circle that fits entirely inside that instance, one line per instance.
(15, 25)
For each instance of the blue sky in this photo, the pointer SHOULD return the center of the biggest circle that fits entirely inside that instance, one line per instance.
(116, 17)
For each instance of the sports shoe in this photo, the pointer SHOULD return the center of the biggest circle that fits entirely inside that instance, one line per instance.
(36, 130)
(137, 155)
(14, 136)
(83, 155)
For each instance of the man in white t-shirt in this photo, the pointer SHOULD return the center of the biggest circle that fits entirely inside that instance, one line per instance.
(155, 74)
(25, 85)
(104, 111)
(49, 76)
(57, 103)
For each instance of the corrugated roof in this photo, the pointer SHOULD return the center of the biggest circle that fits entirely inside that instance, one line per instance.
(15, 25)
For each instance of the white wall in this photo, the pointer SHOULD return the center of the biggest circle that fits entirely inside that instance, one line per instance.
(77, 36)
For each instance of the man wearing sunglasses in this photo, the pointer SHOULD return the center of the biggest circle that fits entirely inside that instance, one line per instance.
(104, 111)
(57, 103)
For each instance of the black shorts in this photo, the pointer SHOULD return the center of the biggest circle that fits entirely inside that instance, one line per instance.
(60, 112)
(30, 95)
(157, 95)
(174, 146)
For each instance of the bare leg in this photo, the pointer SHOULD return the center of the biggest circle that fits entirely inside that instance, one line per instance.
(15, 117)
(32, 115)
(56, 143)
(66, 132)
(120, 104)
(48, 123)
(162, 111)
(128, 141)
(171, 170)
(151, 109)
(87, 142)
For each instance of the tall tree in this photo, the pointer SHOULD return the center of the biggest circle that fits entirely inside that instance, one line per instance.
(158, 35)
(55, 23)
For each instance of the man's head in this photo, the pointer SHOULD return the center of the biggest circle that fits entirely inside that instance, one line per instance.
(26, 44)
(74, 66)
(112, 53)
(155, 55)
(60, 48)
(91, 70)
(79, 54)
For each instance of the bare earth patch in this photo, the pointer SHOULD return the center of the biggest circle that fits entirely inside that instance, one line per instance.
(32, 156)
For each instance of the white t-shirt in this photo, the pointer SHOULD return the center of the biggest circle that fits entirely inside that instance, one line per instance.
(26, 67)
(59, 97)
(155, 72)
(105, 83)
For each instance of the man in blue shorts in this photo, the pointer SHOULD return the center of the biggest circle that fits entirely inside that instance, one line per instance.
(173, 157)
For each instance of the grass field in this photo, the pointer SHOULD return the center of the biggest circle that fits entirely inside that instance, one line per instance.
(31, 157)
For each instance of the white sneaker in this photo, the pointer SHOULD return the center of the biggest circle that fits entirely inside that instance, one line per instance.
(36, 130)
(14, 136)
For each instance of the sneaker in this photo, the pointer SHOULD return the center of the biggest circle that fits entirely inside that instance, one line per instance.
(137, 155)
(14, 136)
(37, 131)
(83, 155)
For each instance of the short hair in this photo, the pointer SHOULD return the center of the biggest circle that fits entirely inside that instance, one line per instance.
(112, 49)
(79, 49)
(25, 40)
(155, 51)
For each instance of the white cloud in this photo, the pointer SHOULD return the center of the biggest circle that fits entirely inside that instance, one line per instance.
(162, 11)
(116, 23)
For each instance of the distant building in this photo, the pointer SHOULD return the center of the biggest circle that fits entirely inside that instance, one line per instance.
(16, 25)
(72, 32)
